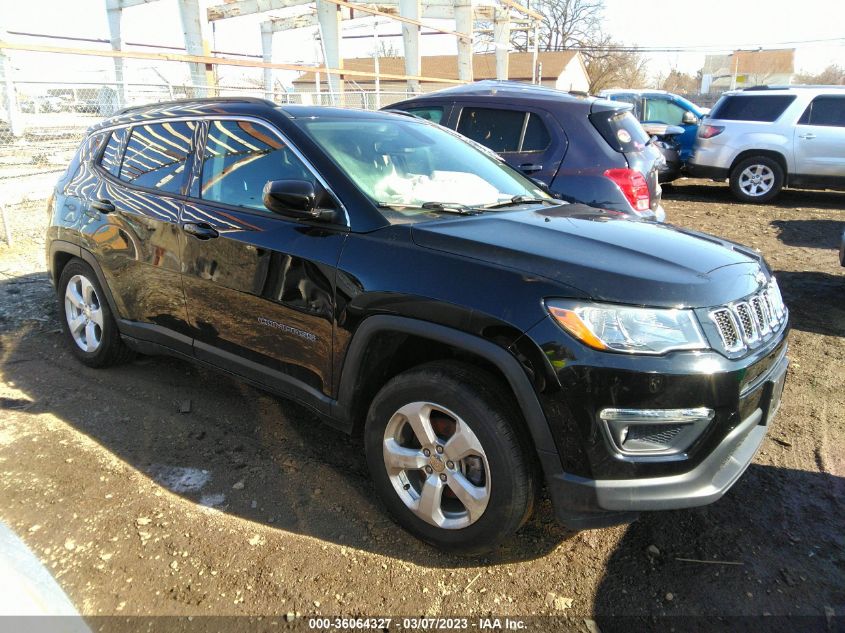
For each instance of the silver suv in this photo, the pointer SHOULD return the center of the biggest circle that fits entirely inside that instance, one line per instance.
(766, 138)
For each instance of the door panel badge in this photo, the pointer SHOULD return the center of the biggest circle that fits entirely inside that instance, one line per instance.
(288, 329)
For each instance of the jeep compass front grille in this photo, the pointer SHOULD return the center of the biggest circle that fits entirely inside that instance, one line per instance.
(747, 324)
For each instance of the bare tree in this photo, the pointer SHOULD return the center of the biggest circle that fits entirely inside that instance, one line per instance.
(611, 65)
(833, 75)
(679, 82)
(566, 24)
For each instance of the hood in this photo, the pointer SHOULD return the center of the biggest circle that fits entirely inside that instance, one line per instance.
(603, 257)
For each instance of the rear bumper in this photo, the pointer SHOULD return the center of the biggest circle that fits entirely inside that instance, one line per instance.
(706, 171)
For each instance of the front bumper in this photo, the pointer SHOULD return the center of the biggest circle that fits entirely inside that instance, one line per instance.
(595, 484)
(581, 502)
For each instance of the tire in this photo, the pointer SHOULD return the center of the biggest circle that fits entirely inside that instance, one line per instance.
(500, 477)
(757, 179)
(96, 341)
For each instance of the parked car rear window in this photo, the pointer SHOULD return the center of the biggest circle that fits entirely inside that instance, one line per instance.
(828, 111)
(110, 160)
(620, 129)
(497, 129)
(240, 157)
(156, 155)
(429, 113)
(764, 108)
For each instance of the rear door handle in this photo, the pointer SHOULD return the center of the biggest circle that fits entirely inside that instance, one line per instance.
(529, 167)
(810, 136)
(103, 206)
(200, 231)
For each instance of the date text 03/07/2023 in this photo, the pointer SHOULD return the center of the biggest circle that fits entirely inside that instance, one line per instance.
(423, 624)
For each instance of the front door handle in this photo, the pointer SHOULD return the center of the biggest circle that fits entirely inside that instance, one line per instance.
(530, 167)
(810, 136)
(200, 231)
(103, 206)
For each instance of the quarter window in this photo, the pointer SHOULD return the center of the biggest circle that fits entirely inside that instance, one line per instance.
(827, 111)
(505, 130)
(156, 155)
(240, 158)
(110, 160)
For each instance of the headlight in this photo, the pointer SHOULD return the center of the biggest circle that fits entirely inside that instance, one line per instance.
(616, 328)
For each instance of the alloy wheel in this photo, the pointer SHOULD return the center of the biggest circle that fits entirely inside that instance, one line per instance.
(84, 314)
(437, 465)
(756, 180)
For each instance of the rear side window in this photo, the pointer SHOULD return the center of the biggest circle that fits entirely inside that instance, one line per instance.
(827, 111)
(505, 130)
(240, 157)
(620, 129)
(430, 113)
(110, 160)
(764, 108)
(156, 155)
(497, 129)
(536, 137)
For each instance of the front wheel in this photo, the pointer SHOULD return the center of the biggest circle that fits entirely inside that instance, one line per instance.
(757, 179)
(448, 457)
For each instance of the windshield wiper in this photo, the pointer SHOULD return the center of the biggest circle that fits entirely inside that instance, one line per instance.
(523, 200)
(445, 207)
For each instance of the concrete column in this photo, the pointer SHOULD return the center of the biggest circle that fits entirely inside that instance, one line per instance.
(114, 13)
(267, 56)
(197, 38)
(411, 41)
(463, 24)
(329, 16)
(501, 42)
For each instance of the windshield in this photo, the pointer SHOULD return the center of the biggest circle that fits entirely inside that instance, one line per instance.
(405, 164)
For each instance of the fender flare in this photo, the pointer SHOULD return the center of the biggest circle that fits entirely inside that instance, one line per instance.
(506, 363)
(61, 246)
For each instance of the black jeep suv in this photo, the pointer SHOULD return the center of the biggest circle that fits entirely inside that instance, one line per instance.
(484, 337)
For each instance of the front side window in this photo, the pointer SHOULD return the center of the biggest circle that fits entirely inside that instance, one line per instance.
(497, 129)
(429, 113)
(827, 111)
(156, 155)
(240, 157)
(401, 164)
(663, 111)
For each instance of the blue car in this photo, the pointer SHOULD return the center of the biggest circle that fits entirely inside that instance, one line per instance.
(659, 106)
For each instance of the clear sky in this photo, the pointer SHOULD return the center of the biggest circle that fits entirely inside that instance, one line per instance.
(708, 26)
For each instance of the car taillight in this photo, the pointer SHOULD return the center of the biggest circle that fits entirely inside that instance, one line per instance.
(709, 131)
(633, 184)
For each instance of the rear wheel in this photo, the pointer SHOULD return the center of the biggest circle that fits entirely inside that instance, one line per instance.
(87, 320)
(448, 459)
(757, 179)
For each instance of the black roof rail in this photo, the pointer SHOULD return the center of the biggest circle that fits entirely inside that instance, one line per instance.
(197, 100)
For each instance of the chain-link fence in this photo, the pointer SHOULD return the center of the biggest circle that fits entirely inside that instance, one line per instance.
(42, 120)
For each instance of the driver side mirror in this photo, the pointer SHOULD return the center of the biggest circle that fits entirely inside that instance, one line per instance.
(689, 118)
(297, 199)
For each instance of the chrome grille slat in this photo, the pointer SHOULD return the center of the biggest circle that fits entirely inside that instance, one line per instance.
(748, 323)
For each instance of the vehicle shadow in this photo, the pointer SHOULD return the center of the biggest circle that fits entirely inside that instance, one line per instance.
(219, 442)
(697, 190)
(811, 233)
(757, 551)
(816, 300)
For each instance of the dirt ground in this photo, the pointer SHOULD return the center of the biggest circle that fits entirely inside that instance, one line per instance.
(159, 488)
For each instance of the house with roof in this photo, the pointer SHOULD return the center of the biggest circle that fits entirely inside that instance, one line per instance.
(564, 70)
(743, 69)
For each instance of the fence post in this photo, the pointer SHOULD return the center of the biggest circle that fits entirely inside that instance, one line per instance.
(13, 112)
